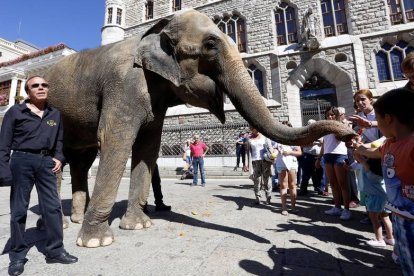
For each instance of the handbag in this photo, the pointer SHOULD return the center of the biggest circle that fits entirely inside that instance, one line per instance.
(184, 156)
(267, 156)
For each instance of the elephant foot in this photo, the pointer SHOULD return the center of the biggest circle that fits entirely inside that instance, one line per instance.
(135, 220)
(92, 236)
(77, 218)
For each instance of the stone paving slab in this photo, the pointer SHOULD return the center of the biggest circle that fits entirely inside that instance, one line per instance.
(216, 230)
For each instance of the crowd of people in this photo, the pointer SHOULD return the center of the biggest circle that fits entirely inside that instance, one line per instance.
(374, 170)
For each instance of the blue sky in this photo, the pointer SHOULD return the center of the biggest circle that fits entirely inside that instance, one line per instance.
(43, 23)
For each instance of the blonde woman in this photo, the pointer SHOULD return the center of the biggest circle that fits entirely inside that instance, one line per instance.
(287, 167)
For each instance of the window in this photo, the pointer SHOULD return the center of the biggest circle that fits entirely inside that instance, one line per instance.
(389, 59)
(109, 16)
(257, 76)
(401, 11)
(341, 57)
(149, 10)
(285, 25)
(5, 92)
(176, 5)
(334, 17)
(291, 65)
(234, 27)
(118, 16)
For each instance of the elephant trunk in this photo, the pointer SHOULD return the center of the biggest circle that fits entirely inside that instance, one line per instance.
(246, 98)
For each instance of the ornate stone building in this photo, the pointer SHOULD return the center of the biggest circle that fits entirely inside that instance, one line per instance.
(20, 60)
(303, 55)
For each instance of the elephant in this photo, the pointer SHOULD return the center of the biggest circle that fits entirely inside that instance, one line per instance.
(114, 98)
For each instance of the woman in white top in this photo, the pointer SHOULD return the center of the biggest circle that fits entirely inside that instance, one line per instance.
(335, 156)
(187, 150)
(287, 167)
(261, 168)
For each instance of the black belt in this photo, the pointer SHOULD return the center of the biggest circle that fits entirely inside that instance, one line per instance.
(43, 152)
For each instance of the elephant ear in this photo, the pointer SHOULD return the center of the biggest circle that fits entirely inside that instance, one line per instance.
(156, 53)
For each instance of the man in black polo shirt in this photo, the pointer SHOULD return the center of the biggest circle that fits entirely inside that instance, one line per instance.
(33, 130)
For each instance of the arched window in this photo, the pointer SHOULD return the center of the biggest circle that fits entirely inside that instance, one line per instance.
(149, 10)
(334, 17)
(176, 5)
(234, 27)
(257, 76)
(401, 11)
(285, 19)
(389, 59)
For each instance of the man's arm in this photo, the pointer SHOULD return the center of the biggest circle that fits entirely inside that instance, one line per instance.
(206, 149)
(59, 158)
(6, 139)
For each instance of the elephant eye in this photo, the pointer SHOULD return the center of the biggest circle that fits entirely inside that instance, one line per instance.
(210, 44)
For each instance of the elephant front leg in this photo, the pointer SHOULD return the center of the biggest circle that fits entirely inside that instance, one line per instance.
(135, 218)
(80, 163)
(144, 157)
(116, 145)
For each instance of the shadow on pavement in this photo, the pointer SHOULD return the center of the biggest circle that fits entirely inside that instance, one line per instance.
(119, 210)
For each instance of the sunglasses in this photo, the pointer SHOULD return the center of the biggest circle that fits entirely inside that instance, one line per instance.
(36, 85)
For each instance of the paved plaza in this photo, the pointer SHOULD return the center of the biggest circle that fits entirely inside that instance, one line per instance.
(214, 230)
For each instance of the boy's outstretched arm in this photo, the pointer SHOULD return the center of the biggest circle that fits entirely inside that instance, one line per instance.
(368, 151)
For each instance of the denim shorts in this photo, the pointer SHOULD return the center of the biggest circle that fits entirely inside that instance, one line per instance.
(335, 159)
(404, 243)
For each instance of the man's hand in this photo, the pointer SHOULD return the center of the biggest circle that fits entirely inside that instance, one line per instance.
(58, 165)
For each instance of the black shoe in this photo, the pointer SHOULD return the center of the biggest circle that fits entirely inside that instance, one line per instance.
(62, 258)
(17, 267)
(145, 209)
(162, 207)
(302, 193)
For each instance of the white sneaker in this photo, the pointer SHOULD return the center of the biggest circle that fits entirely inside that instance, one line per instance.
(334, 211)
(346, 215)
(376, 243)
(389, 241)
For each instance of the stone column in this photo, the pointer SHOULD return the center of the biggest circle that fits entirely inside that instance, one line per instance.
(12, 93)
(22, 91)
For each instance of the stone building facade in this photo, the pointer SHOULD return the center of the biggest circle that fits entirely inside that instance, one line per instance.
(360, 44)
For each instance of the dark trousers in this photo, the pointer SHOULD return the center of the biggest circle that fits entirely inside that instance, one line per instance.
(31, 169)
(156, 185)
(240, 152)
(309, 171)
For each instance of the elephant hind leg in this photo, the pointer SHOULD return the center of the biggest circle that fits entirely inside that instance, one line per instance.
(80, 163)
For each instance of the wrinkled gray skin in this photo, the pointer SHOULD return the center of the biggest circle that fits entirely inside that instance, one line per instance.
(116, 97)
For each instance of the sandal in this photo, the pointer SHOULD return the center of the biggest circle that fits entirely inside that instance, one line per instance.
(285, 213)
(325, 193)
(353, 204)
